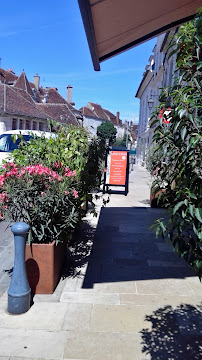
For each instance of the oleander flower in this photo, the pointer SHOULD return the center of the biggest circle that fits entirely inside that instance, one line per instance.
(37, 195)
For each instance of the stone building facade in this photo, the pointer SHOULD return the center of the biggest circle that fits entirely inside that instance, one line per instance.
(158, 74)
(26, 105)
(93, 116)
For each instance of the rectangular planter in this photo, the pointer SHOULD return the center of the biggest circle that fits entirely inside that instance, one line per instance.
(44, 263)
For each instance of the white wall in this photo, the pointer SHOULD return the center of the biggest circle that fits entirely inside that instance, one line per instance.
(6, 123)
(3, 122)
(91, 124)
(120, 131)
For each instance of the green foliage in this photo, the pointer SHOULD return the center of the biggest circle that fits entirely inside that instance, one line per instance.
(122, 141)
(153, 157)
(107, 131)
(43, 198)
(53, 209)
(178, 148)
(69, 146)
(72, 147)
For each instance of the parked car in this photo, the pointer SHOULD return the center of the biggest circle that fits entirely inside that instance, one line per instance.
(7, 146)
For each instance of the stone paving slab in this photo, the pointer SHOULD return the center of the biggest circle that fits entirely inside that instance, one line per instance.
(195, 285)
(6, 256)
(90, 298)
(77, 317)
(164, 287)
(158, 300)
(164, 247)
(25, 358)
(34, 344)
(117, 287)
(99, 346)
(41, 316)
(177, 263)
(119, 318)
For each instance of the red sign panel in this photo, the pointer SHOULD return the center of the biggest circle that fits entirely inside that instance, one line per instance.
(116, 167)
(164, 113)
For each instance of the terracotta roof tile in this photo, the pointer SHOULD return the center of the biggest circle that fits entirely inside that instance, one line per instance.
(98, 110)
(23, 83)
(23, 93)
(53, 96)
(21, 100)
(7, 76)
(88, 112)
(113, 118)
(58, 112)
(109, 114)
(16, 104)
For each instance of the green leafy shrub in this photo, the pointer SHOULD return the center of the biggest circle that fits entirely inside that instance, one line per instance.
(177, 153)
(72, 147)
(122, 141)
(42, 197)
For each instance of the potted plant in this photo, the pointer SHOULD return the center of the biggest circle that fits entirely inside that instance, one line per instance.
(45, 185)
(48, 200)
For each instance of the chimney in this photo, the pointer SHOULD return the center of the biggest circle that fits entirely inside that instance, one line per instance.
(46, 97)
(117, 117)
(69, 94)
(36, 81)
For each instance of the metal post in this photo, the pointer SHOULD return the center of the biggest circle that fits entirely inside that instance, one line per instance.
(19, 290)
(127, 136)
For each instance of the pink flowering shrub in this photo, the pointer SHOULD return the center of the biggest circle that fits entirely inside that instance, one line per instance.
(45, 198)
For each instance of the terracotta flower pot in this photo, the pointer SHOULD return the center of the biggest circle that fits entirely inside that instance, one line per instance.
(44, 263)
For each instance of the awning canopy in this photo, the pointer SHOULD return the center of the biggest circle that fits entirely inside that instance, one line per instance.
(113, 26)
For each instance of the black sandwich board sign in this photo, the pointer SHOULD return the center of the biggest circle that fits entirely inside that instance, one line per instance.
(116, 170)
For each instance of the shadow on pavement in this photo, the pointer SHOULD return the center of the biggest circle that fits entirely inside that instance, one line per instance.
(126, 249)
(78, 251)
(174, 333)
(9, 272)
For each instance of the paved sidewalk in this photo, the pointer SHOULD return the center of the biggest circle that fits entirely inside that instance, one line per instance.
(132, 298)
(6, 256)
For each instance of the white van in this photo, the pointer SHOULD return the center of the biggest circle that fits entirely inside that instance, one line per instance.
(7, 145)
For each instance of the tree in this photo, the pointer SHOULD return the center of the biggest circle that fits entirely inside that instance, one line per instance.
(107, 131)
(179, 140)
(122, 142)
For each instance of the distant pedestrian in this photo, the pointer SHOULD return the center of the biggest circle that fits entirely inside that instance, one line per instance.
(132, 162)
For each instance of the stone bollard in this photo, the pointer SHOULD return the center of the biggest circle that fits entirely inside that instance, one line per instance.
(19, 289)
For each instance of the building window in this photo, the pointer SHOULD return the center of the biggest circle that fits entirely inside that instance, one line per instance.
(41, 126)
(170, 78)
(14, 124)
(27, 125)
(21, 124)
(34, 125)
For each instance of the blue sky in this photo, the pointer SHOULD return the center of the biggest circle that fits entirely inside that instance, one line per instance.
(48, 38)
